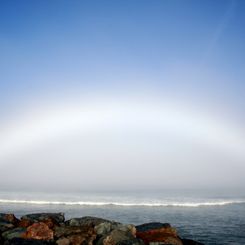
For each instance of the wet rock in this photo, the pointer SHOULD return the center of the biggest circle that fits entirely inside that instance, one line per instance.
(158, 233)
(4, 226)
(9, 218)
(64, 231)
(79, 239)
(39, 231)
(14, 233)
(134, 241)
(49, 218)
(22, 241)
(63, 241)
(115, 237)
(86, 221)
(107, 227)
(190, 242)
(152, 226)
(25, 223)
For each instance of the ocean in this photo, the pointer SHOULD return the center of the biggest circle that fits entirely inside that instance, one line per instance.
(206, 216)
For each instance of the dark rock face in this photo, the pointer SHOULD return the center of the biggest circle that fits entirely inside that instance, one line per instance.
(8, 218)
(74, 235)
(133, 241)
(42, 217)
(22, 241)
(63, 231)
(7, 221)
(86, 221)
(190, 242)
(4, 226)
(13, 233)
(107, 227)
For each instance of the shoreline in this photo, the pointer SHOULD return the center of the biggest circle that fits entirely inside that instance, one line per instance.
(52, 228)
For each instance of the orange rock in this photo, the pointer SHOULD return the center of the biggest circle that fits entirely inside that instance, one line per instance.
(166, 235)
(24, 223)
(39, 231)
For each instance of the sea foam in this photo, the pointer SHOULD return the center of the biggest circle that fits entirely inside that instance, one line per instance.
(156, 204)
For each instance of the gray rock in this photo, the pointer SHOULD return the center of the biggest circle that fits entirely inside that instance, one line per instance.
(107, 227)
(115, 237)
(134, 241)
(14, 233)
(86, 221)
(38, 217)
(4, 226)
(64, 231)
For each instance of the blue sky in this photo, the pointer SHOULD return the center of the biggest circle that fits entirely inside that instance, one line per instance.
(50, 45)
(180, 53)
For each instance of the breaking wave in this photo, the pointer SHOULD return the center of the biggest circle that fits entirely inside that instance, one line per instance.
(157, 204)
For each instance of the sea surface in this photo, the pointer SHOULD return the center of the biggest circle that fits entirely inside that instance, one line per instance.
(206, 216)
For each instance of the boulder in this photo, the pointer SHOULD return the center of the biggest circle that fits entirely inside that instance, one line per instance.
(158, 233)
(63, 241)
(50, 219)
(39, 231)
(64, 231)
(9, 218)
(115, 237)
(78, 239)
(22, 241)
(107, 227)
(4, 226)
(14, 233)
(74, 235)
(152, 226)
(25, 223)
(134, 241)
(190, 242)
(86, 221)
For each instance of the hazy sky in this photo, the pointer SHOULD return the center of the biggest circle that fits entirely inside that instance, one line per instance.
(122, 94)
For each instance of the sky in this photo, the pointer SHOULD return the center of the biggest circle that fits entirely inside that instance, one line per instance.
(122, 94)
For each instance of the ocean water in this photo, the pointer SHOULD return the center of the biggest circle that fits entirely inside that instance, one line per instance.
(206, 216)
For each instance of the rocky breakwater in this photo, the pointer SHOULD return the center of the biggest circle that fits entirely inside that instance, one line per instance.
(51, 228)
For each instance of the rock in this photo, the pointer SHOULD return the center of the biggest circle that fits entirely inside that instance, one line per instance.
(39, 231)
(79, 239)
(107, 227)
(64, 231)
(87, 221)
(22, 241)
(9, 218)
(4, 226)
(14, 233)
(158, 233)
(190, 242)
(115, 237)
(151, 226)
(25, 223)
(74, 235)
(63, 241)
(134, 241)
(50, 219)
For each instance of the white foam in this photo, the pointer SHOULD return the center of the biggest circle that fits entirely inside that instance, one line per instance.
(87, 203)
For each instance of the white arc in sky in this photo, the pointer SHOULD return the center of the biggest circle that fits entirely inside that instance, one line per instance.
(57, 122)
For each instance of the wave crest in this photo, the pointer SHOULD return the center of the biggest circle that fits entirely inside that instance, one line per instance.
(87, 203)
